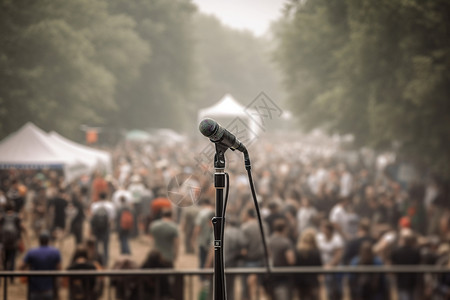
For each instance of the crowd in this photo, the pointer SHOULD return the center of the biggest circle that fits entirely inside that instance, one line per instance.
(319, 209)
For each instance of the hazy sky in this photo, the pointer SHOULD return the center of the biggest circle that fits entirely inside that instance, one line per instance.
(254, 15)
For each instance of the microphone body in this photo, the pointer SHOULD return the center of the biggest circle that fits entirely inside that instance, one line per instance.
(217, 134)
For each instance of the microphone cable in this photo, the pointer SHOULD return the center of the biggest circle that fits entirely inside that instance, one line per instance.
(248, 167)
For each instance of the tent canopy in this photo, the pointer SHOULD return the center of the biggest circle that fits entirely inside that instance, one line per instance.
(95, 159)
(32, 148)
(226, 110)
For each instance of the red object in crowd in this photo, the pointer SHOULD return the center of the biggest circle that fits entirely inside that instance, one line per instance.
(99, 185)
(159, 204)
(404, 222)
(91, 136)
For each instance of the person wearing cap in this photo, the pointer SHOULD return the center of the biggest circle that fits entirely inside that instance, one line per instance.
(42, 258)
(165, 235)
(407, 253)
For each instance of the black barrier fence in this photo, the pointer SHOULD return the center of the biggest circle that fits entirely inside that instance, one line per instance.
(183, 281)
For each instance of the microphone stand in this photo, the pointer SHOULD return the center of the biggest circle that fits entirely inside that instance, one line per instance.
(218, 222)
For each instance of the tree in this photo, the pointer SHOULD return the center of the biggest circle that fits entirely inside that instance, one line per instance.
(232, 61)
(162, 93)
(377, 70)
(57, 66)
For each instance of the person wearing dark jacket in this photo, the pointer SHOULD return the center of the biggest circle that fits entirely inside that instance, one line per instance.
(307, 255)
(407, 254)
(82, 287)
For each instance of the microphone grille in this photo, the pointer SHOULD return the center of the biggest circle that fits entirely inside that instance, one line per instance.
(208, 127)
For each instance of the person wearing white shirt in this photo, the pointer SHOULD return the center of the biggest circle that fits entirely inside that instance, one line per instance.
(331, 245)
(305, 215)
(339, 216)
(100, 226)
(346, 184)
(121, 192)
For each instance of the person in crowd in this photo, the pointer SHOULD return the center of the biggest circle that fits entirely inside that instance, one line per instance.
(94, 256)
(331, 246)
(157, 287)
(407, 253)
(99, 186)
(12, 233)
(415, 209)
(103, 214)
(307, 255)
(42, 258)
(146, 203)
(57, 208)
(126, 287)
(136, 189)
(75, 210)
(233, 245)
(283, 255)
(390, 239)
(81, 287)
(253, 253)
(188, 216)
(368, 198)
(353, 246)
(97, 260)
(158, 205)
(441, 286)
(274, 214)
(339, 217)
(166, 237)
(124, 225)
(388, 212)
(306, 215)
(203, 230)
(120, 193)
(346, 182)
(16, 193)
(3, 201)
(370, 286)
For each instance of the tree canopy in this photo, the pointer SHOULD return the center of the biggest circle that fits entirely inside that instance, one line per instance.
(121, 64)
(96, 62)
(376, 69)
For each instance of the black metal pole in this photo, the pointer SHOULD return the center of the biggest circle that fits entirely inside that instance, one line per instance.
(218, 222)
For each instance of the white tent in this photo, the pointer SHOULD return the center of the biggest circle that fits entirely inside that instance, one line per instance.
(93, 158)
(31, 148)
(228, 110)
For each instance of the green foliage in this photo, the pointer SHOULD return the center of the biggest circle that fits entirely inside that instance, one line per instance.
(120, 64)
(377, 69)
(161, 94)
(61, 62)
(98, 62)
(232, 61)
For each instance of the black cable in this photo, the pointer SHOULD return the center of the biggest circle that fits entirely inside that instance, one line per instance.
(255, 200)
(225, 205)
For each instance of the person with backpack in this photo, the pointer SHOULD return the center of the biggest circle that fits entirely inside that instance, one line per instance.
(124, 225)
(103, 214)
(11, 229)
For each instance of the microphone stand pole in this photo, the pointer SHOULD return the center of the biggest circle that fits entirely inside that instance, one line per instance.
(218, 223)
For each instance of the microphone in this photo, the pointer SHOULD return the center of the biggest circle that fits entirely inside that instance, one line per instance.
(217, 134)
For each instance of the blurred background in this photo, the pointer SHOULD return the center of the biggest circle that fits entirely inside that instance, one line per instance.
(377, 71)
(343, 105)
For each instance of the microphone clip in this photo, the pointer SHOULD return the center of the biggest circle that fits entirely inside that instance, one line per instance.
(219, 157)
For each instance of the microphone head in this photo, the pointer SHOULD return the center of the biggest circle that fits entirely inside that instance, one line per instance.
(208, 127)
